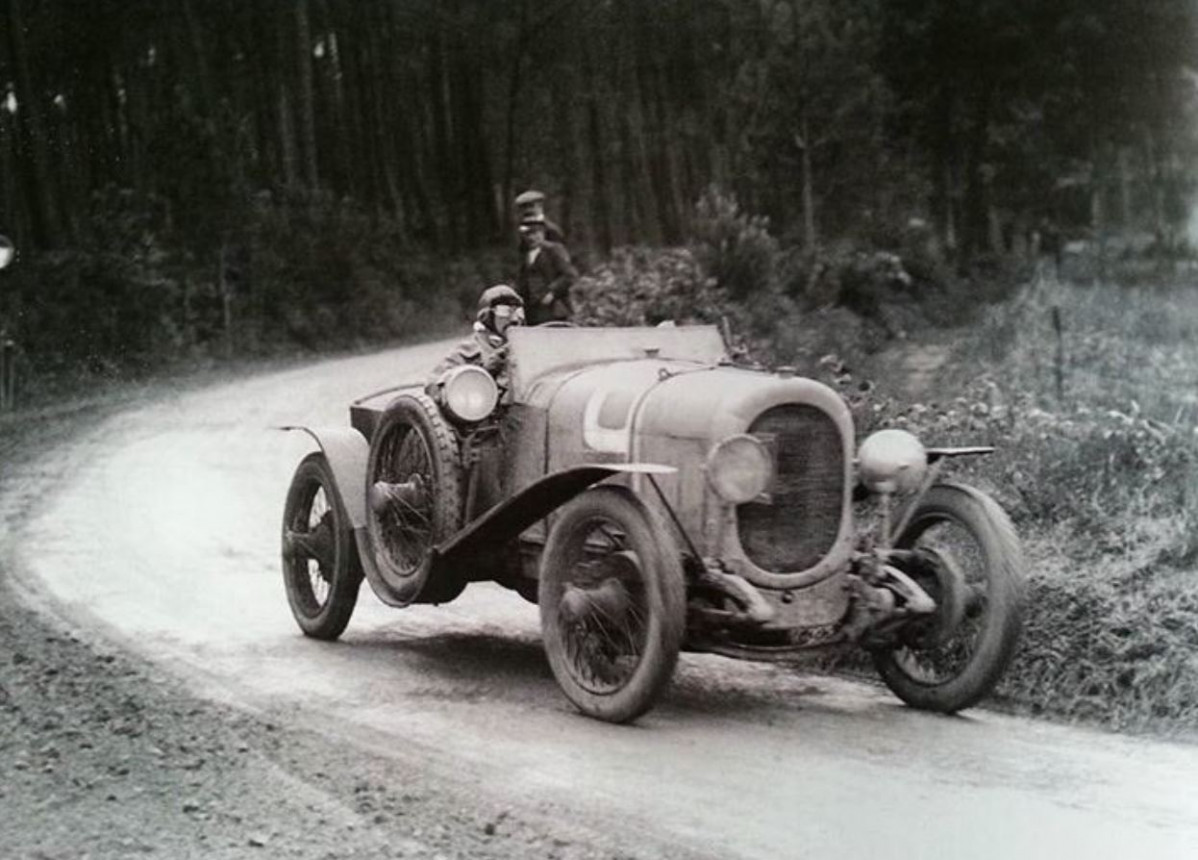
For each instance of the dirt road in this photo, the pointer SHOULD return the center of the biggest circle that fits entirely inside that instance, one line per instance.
(160, 539)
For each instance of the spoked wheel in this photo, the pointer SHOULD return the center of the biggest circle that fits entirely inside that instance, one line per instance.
(413, 496)
(612, 603)
(972, 565)
(320, 562)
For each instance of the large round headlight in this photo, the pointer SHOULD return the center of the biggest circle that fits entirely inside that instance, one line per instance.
(469, 393)
(739, 469)
(892, 461)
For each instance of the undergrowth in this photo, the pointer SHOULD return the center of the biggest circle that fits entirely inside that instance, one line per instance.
(1091, 410)
(1089, 394)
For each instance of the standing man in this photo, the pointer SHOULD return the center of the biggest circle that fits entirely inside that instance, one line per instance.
(546, 274)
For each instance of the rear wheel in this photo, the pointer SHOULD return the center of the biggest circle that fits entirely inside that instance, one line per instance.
(414, 497)
(972, 565)
(320, 562)
(612, 601)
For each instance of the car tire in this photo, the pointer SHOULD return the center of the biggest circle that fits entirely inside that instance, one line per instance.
(321, 571)
(993, 594)
(414, 452)
(613, 604)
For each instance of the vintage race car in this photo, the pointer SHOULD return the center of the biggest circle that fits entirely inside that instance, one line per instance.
(652, 496)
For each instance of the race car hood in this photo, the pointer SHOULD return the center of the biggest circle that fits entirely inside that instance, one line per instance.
(650, 410)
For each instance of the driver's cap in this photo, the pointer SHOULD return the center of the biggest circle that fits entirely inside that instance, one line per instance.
(500, 294)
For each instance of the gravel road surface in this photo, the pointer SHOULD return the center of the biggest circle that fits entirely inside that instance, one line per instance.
(161, 643)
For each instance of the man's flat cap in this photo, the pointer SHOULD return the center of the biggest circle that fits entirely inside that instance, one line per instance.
(527, 198)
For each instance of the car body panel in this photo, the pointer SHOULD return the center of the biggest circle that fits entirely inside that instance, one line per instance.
(489, 532)
(537, 352)
(590, 398)
(346, 451)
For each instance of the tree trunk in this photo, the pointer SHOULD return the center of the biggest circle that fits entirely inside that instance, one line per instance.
(810, 237)
(564, 93)
(287, 143)
(976, 184)
(200, 61)
(1098, 208)
(307, 99)
(600, 195)
(439, 99)
(515, 82)
(1125, 215)
(346, 119)
(31, 123)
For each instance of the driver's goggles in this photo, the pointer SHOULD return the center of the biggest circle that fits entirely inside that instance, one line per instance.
(505, 311)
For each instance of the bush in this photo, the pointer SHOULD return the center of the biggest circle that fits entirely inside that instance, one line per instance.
(1113, 645)
(733, 247)
(107, 306)
(1102, 484)
(642, 286)
(301, 272)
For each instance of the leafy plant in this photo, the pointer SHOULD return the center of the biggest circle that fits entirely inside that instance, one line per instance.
(733, 247)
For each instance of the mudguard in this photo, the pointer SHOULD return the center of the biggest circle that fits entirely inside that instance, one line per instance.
(348, 452)
(507, 519)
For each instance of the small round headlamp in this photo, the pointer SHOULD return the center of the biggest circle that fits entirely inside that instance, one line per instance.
(892, 461)
(739, 469)
(469, 393)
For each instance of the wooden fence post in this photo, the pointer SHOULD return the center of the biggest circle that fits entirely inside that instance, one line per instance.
(8, 373)
(1059, 365)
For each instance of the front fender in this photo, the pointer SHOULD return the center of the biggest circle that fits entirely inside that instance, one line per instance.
(507, 519)
(347, 452)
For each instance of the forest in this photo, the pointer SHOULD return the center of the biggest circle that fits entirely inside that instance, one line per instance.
(192, 178)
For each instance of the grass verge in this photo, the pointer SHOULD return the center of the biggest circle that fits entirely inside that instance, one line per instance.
(1090, 395)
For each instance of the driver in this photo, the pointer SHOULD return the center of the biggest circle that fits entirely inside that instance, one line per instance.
(499, 308)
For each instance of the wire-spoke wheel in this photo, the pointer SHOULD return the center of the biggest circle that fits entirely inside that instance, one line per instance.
(413, 495)
(955, 658)
(320, 562)
(612, 603)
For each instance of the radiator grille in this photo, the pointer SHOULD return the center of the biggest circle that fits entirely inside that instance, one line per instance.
(799, 524)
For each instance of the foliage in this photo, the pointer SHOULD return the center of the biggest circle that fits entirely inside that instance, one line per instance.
(733, 247)
(305, 273)
(1102, 482)
(107, 304)
(641, 286)
(830, 118)
(1111, 644)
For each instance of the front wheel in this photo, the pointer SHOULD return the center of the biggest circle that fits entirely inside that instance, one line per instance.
(413, 498)
(321, 571)
(612, 601)
(976, 577)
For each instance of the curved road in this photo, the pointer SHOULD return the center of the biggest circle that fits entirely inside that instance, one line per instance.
(165, 538)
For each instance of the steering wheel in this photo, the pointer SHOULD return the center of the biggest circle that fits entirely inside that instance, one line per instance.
(556, 324)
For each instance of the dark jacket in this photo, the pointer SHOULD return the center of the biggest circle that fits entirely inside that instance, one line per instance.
(552, 274)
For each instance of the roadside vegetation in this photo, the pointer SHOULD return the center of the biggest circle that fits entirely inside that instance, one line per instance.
(1085, 384)
(1088, 390)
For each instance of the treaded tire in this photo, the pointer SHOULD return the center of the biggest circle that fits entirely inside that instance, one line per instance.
(651, 589)
(413, 438)
(322, 592)
(1001, 618)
